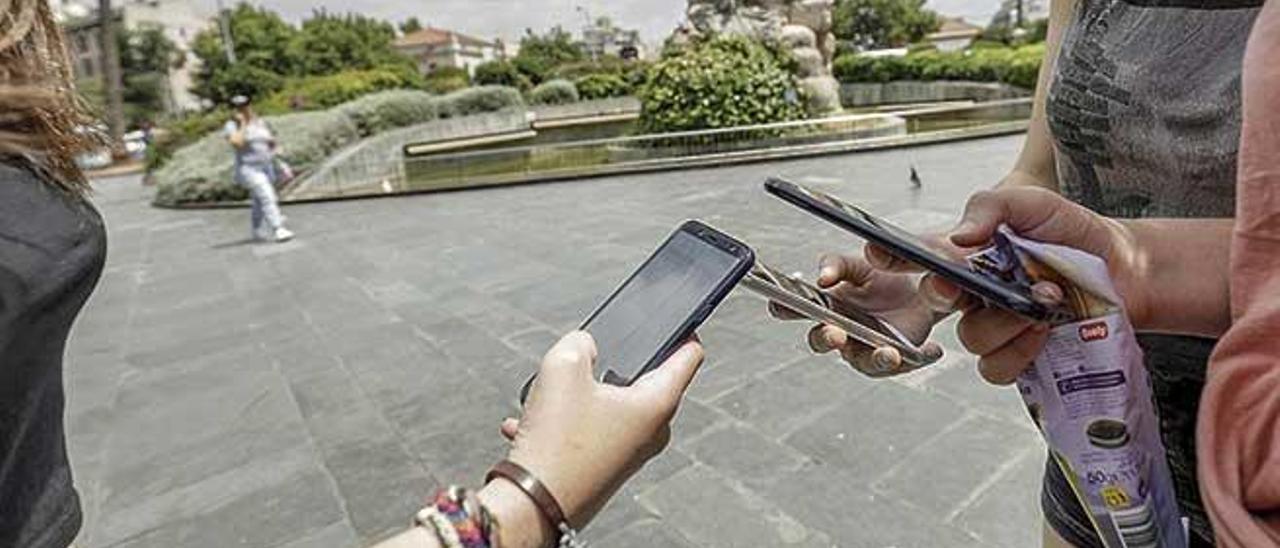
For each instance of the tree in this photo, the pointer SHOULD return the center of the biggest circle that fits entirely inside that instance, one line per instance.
(113, 80)
(446, 80)
(268, 47)
(876, 24)
(540, 54)
(146, 49)
(262, 42)
(501, 72)
(146, 56)
(331, 43)
(410, 25)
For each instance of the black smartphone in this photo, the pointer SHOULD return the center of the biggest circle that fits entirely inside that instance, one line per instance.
(664, 301)
(1010, 296)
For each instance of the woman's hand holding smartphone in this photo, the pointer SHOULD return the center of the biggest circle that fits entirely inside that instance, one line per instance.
(856, 290)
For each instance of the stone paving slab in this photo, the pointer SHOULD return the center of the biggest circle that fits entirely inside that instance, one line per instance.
(310, 394)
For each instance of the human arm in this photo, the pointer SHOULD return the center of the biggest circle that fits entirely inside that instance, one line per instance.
(583, 439)
(1035, 165)
(1170, 272)
(234, 131)
(894, 296)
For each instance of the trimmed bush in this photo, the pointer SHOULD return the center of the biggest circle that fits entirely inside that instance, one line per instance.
(554, 92)
(726, 81)
(1014, 66)
(478, 99)
(307, 138)
(602, 86)
(385, 110)
(501, 72)
(201, 171)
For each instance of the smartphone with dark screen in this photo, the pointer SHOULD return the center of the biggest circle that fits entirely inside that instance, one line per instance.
(1010, 296)
(663, 302)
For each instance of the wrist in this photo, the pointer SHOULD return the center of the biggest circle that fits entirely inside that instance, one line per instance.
(523, 525)
(1129, 265)
(1020, 177)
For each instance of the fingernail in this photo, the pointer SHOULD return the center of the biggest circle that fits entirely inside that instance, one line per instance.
(827, 273)
(1049, 293)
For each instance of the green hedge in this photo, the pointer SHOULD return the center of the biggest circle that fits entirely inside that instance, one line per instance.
(202, 170)
(1015, 66)
(602, 86)
(554, 92)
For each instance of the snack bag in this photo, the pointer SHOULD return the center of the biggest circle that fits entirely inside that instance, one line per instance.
(1089, 394)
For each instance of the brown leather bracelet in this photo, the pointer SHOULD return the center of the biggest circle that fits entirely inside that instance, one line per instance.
(542, 498)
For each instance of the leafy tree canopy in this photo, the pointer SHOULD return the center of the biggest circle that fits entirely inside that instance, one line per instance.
(876, 24)
(330, 43)
(266, 46)
(540, 54)
(410, 25)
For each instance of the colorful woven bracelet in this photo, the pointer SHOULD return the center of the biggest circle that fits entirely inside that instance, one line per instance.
(456, 525)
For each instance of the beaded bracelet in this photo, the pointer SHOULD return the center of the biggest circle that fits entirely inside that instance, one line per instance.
(459, 521)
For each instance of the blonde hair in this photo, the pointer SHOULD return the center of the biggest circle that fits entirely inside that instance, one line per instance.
(42, 118)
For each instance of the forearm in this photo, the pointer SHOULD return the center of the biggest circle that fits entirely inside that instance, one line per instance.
(521, 524)
(1035, 165)
(1178, 269)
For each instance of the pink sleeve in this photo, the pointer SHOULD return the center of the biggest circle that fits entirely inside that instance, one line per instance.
(1238, 433)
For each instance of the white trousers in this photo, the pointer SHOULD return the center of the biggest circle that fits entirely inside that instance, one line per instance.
(262, 193)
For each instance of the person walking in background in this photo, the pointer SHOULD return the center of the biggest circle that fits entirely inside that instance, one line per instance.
(256, 169)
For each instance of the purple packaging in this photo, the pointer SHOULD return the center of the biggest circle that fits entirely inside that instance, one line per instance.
(1089, 394)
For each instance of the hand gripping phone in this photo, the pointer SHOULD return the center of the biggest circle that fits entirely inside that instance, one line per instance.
(1004, 294)
(823, 307)
(663, 302)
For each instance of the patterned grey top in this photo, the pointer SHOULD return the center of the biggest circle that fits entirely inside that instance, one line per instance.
(1144, 107)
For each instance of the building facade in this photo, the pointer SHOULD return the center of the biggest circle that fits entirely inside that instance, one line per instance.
(432, 49)
(602, 37)
(180, 21)
(955, 34)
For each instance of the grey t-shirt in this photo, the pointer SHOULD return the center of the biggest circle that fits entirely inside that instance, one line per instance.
(1144, 107)
(52, 248)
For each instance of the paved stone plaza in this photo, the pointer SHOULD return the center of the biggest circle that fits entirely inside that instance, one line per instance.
(311, 394)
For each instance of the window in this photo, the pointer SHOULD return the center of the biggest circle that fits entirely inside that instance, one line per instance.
(87, 67)
(82, 44)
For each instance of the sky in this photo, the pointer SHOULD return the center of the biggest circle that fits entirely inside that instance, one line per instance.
(507, 19)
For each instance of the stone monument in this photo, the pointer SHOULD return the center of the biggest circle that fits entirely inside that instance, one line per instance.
(803, 27)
